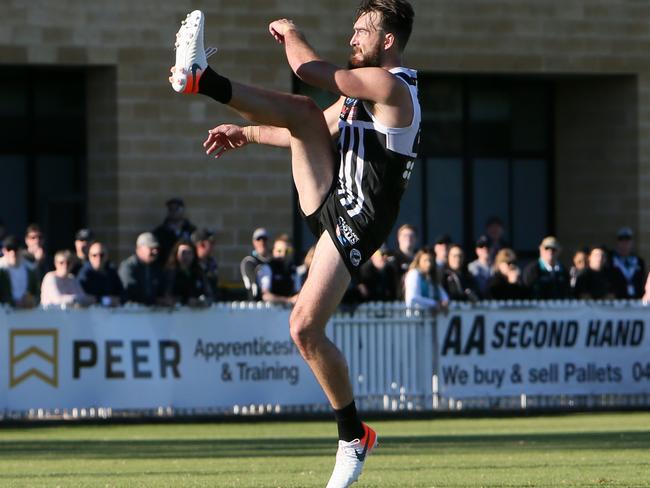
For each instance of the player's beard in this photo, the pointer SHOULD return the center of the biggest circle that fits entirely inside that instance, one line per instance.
(371, 59)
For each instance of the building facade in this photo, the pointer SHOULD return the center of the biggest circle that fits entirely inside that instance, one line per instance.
(534, 111)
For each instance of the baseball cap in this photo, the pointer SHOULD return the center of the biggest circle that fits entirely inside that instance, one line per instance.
(202, 235)
(625, 233)
(260, 233)
(147, 239)
(552, 242)
(175, 201)
(443, 239)
(482, 241)
(84, 235)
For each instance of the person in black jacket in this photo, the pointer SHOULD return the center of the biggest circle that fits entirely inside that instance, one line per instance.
(98, 277)
(377, 278)
(185, 281)
(505, 283)
(457, 281)
(546, 278)
(173, 228)
(595, 282)
(627, 269)
(141, 275)
(277, 278)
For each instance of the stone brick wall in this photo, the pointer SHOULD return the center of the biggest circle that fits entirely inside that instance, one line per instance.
(155, 152)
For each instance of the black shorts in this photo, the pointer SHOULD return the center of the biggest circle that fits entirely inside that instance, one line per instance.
(355, 238)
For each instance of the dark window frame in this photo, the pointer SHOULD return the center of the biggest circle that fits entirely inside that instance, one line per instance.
(59, 134)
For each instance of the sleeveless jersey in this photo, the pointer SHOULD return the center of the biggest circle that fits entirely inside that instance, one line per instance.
(376, 161)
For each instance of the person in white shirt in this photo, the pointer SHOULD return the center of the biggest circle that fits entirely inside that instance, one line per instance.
(421, 289)
(60, 287)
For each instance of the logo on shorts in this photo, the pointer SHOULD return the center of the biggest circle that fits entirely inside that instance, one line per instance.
(355, 257)
(345, 233)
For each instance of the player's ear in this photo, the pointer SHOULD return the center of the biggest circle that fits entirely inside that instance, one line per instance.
(389, 40)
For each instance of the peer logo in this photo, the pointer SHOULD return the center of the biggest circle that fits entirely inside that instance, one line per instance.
(34, 353)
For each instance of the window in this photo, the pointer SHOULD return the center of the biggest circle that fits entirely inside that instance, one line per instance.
(42, 151)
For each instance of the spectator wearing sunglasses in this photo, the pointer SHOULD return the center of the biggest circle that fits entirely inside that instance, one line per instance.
(546, 278)
(98, 277)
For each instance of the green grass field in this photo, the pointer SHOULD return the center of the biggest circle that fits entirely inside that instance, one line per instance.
(569, 450)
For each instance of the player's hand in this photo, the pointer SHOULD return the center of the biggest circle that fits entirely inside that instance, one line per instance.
(279, 28)
(224, 138)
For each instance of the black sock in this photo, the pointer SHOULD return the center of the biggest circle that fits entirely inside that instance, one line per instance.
(215, 86)
(348, 422)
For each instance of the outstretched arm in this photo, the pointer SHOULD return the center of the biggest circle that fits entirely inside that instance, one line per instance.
(227, 137)
(372, 84)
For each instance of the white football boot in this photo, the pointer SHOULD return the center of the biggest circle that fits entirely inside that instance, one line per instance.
(350, 459)
(191, 56)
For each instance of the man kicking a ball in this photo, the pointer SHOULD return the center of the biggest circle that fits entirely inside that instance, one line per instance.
(350, 193)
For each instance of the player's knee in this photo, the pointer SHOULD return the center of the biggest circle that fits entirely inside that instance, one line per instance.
(305, 113)
(304, 330)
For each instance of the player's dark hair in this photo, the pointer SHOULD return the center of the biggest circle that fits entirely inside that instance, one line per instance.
(396, 15)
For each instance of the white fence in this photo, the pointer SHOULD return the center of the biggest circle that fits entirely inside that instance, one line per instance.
(238, 358)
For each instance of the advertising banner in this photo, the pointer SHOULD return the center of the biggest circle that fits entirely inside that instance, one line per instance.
(121, 359)
(579, 350)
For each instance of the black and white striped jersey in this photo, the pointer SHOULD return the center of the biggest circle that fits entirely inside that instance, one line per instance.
(376, 161)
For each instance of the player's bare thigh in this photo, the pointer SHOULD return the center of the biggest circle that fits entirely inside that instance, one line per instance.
(326, 284)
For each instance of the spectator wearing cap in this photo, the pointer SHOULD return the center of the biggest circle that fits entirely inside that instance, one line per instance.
(505, 282)
(441, 250)
(98, 277)
(480, 268)
(595, 282)
(35, 255)
(60, 287)
(546, 278)
(19, 285)
(277, 277)
(204, 240)
(377, 281)
(250, 264)
(457, 281)
(495, 231)
(628, 269)
(174, 227)
(407, 239)
(82, 240)
(141, 275)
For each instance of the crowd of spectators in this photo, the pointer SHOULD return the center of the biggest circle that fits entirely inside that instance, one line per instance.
(174, 265)
(434, 275)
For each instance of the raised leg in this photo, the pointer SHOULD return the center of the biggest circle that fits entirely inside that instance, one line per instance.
(312, 153)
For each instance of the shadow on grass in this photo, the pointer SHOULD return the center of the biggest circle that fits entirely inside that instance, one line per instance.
(278, 447)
